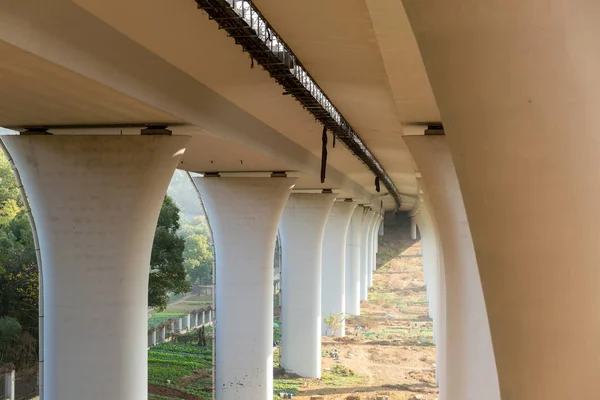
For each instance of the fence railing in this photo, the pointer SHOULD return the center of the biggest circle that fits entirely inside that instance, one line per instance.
(180, 325)
(21, 385)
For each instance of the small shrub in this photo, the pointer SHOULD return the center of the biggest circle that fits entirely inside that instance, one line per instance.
(340, 370)
(333, 323)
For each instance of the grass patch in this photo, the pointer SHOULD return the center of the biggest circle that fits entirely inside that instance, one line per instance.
(340, 376)
(379, 296)
(157, 397)
(168, 363)
(160, 317)
(187, 307)
(285, 385)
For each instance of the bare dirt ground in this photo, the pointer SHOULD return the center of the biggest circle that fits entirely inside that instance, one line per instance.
(389, 348)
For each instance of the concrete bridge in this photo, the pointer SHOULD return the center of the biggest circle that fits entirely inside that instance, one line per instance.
(314, 117)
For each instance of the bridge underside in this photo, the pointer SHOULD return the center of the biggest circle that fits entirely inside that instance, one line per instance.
(514, 84)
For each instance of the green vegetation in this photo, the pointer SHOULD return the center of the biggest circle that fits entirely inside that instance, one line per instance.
(181, 366)
(285, 385)
(157, 397)
(198, 251)
(167, 271)
(160, 317)
(340, 376)
(333, 323)
(18, 276)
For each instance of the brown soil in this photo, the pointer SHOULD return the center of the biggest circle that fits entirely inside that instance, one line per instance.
(197, 375)
(169, 392)
(394, 359)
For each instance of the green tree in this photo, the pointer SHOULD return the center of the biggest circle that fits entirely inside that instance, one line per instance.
(18, 264)
(198, 256)
(8, 185)
(167, 270)
(198, 259)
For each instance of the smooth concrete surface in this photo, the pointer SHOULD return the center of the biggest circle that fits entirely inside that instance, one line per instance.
(141, 77)
(301, 228)
(521, 121)
(95, 200)
(370, 220)
(413, 229)
(433, 268)
(431, 258)
(334, 263)
(471, 369)
(244, 215)
(353, 245)
(375, 239)
(372, 240)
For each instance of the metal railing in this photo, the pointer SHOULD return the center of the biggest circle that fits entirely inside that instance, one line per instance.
(248, 27)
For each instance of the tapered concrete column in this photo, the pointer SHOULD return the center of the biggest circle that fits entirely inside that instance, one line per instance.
(353, 245)
(413, 229)
(370, 219)
(431, 258)
(244, 214)
(472, 372)
(371, 251)
(334, 262)
(375, 240)
(96, 201)
(301, 229)
(433, 269)
(521, 119)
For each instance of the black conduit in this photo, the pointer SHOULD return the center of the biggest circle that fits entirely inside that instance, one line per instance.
(246, 25)
(324, 155)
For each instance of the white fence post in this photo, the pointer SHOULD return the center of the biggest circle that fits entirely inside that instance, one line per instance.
(188, 327)
(9, 385)
(203, 317)
(163, 334)
(179, 325)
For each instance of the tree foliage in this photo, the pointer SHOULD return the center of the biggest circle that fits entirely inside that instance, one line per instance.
(18, 265)
(167, 270)
(198, 254)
